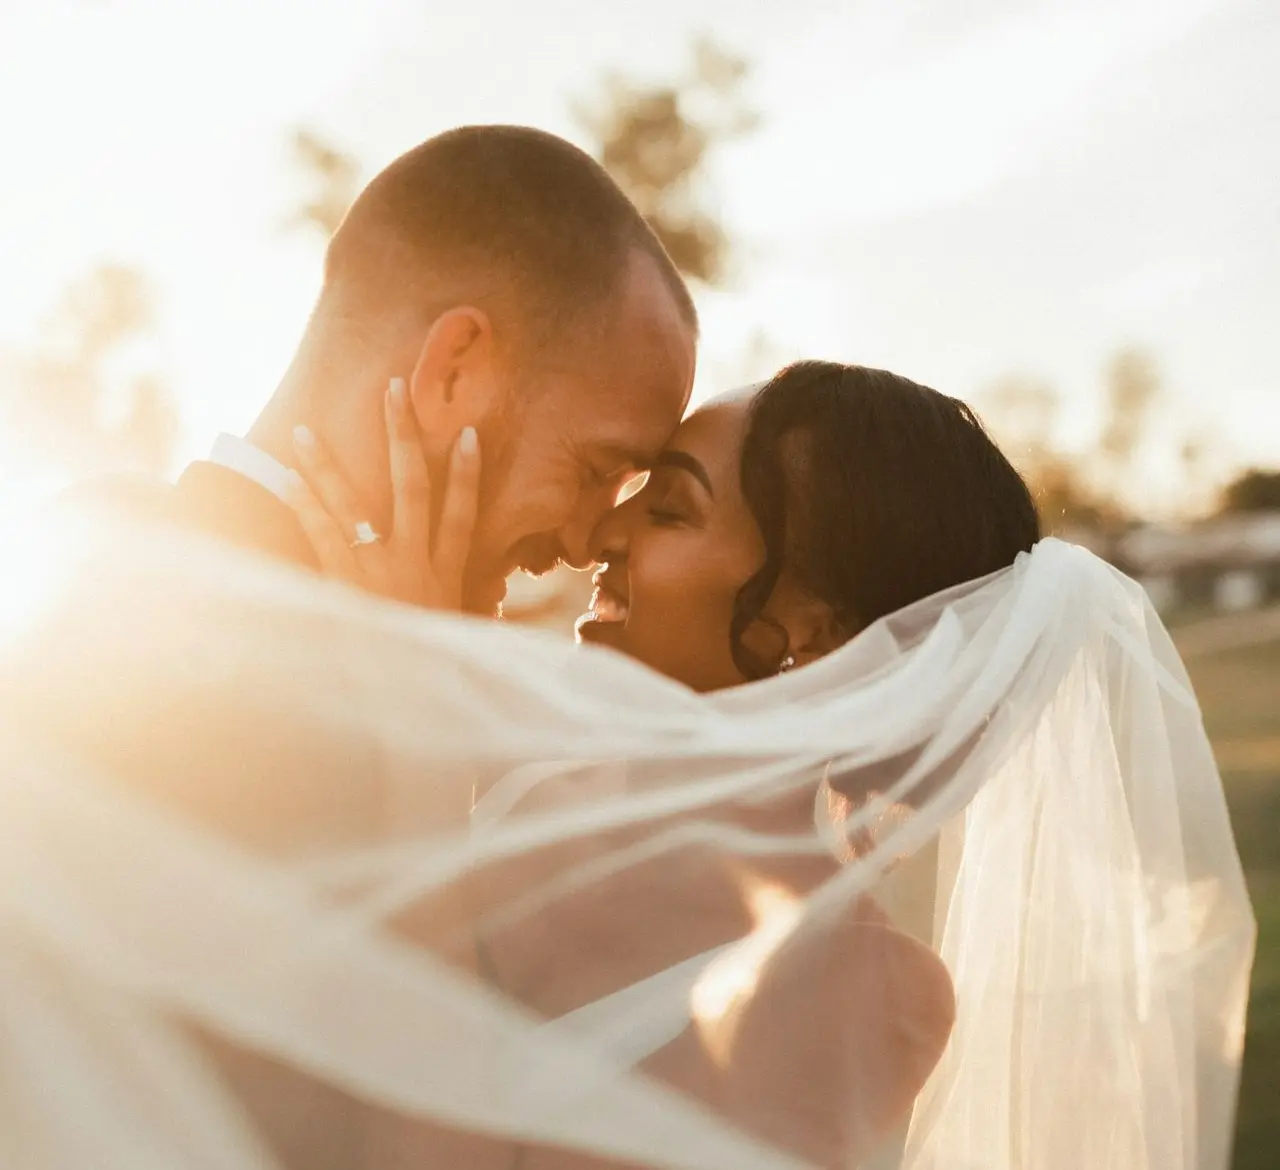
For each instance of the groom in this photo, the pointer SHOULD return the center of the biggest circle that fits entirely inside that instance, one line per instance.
(504, 275)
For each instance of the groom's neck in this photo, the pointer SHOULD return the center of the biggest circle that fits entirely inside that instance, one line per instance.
(273, 430)
(354, 442)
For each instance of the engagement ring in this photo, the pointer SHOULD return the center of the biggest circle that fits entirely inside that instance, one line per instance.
(365, 535)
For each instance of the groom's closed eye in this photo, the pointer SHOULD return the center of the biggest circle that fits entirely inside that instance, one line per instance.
(614, 465)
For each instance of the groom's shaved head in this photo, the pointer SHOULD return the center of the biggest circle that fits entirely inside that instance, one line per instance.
(508, 279)
(511, 218)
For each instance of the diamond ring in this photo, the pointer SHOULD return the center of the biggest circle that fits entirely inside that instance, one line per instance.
(365, 534)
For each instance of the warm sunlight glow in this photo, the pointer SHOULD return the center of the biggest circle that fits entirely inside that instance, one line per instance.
(33, 566)
(849, 199)
(730, 979)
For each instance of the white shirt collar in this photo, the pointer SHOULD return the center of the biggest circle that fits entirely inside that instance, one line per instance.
(242, 457)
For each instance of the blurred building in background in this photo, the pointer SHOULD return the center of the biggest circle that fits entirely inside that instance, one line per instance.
(1229, 563)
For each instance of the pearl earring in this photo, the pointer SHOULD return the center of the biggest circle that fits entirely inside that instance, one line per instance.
(787, 663)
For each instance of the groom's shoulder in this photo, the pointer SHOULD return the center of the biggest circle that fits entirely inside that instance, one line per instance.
(132, 496)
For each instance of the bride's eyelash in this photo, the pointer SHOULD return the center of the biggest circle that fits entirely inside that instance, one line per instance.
(664, 516)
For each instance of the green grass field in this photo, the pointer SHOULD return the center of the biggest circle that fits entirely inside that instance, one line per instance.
(1239, 690)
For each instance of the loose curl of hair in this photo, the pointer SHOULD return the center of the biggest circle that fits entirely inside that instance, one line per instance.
(875, 492)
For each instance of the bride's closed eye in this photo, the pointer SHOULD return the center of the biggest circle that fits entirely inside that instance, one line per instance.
(595, 477)
(664, 517)
(668, 504)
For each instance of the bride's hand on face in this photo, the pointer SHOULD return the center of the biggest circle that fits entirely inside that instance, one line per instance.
(409, 563)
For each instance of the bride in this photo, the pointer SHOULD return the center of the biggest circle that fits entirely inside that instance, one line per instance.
(298, 878)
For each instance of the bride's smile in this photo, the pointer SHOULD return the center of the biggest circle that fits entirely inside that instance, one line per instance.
(608, 604)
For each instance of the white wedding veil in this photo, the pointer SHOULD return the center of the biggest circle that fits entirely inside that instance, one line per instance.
(290, 877)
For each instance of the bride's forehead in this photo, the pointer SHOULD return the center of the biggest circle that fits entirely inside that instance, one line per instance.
(714, 431)
(716, 413)
(719, 409)
(737, 396)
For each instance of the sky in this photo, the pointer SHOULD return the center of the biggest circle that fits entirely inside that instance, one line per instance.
(955, 192)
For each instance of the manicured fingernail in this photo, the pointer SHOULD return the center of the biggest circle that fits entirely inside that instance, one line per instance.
(396, 393)
(468, 444)
(303, 437)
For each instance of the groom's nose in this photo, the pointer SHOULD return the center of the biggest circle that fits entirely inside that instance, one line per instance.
(607, 541)
(576, 548)
(576, 537)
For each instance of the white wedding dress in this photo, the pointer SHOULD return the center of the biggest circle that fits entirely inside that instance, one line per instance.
(243, 810)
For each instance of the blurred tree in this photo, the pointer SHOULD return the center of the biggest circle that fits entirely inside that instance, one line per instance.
(656, 141)
(1066, 503)
(1101, 486)
(1022, 415)
(1253, 491)
(334, 177)
(1132, 394)
(85, 398)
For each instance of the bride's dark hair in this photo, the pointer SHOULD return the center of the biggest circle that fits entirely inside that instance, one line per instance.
(873, 491)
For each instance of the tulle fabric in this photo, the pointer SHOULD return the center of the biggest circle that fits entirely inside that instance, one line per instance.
(290, 877)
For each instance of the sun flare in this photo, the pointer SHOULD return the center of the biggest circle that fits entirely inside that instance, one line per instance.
(730, 979)
(32, 570)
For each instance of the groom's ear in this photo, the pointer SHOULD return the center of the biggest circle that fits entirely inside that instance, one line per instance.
(453, 383)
